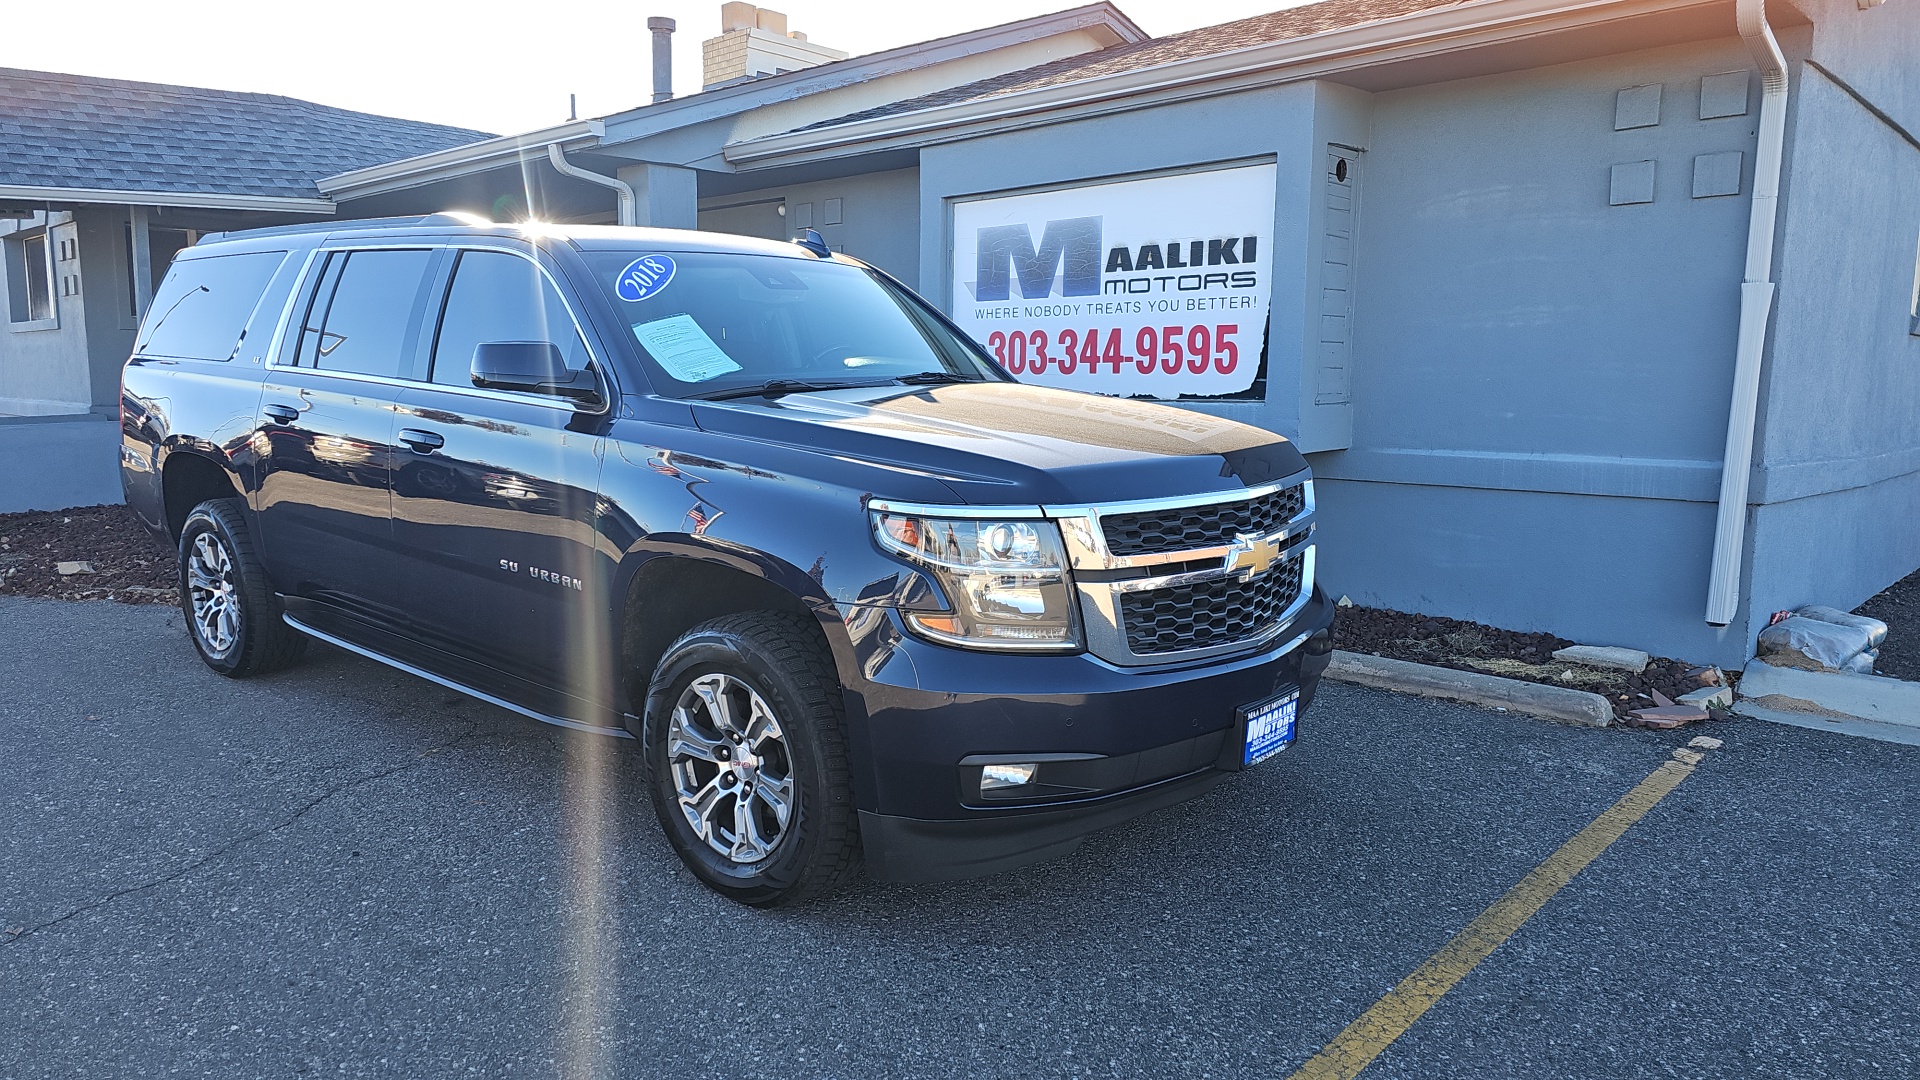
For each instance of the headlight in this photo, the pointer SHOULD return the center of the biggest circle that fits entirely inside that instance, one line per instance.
(1007, 580)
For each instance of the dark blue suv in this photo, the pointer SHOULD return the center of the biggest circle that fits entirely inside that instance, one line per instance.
(857, 594)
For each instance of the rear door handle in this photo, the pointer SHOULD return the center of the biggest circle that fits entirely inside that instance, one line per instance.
(423, 442)
(281, 414)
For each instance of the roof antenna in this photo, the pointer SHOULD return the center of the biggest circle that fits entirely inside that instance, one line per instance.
(573, 106)
(814, 242)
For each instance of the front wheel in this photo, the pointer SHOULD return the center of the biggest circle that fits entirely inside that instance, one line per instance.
(231, 614)
(747, 759)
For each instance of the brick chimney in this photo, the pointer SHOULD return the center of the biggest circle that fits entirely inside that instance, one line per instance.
(755, 41)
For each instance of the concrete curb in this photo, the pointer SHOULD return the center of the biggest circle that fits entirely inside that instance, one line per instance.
(1535, 699)
(1867, 705)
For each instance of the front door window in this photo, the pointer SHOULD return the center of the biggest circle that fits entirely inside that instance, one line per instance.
(500, 297)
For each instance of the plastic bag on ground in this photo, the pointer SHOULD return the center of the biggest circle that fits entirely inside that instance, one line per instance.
(1863, 664)
(1811, 644)
(1876, 630)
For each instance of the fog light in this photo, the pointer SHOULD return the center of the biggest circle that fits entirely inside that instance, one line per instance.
(1005, 776)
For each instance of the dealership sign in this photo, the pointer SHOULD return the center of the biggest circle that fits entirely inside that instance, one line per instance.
(1154, 287)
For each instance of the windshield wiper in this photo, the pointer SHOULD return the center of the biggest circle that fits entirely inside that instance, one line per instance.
(777, 387)
(934, 377)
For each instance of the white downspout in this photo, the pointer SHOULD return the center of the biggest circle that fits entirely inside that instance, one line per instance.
(628, 216)
(1756, 303)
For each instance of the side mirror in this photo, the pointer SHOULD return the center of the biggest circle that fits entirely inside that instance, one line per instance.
(534, 367)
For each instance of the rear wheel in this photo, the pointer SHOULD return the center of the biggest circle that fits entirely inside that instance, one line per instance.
(747, 759)
(231, 614)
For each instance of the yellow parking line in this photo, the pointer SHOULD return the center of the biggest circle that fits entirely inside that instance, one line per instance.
(1363, 1040)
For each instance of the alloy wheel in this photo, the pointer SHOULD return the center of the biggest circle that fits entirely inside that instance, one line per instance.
(732, 768)
(210, 587)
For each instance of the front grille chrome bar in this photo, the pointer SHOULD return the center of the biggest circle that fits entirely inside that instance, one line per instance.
(1087, 542)
(1101, 594)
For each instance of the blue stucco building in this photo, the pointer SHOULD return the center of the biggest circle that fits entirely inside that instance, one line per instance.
(1511, 248)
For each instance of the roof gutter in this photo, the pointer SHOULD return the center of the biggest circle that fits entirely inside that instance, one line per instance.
(200, 200)
(1756, 304)
(456, 161)
(628, 211)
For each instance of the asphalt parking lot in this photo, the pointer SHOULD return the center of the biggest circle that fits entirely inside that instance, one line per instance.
(343, 870)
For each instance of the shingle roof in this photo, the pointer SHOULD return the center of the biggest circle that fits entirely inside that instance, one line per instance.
(1206, 41)
(74, 131)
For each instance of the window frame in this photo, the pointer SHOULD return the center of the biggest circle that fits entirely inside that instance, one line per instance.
(291, 332)
(430, 281)
(431, 345)
(19, 248)
(324, 279)
(286, 345)
(596, 360)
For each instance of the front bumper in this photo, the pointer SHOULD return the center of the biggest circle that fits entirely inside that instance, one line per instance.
(1113, 742)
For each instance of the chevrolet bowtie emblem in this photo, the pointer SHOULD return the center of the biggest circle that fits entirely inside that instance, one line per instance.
(1250, 556)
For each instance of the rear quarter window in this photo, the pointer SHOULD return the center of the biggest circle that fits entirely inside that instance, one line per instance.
(202, 308)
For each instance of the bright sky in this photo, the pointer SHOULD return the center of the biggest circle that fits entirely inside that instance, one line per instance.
(483, 64)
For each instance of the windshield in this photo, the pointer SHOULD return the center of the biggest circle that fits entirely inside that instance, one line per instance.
(711, 324)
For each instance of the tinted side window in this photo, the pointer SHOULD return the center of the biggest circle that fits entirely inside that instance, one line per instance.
(500, 297)
(201, 309)
(364, 310)
(316, 312)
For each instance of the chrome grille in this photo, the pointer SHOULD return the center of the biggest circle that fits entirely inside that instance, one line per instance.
(1184, 528)
(1220, 611)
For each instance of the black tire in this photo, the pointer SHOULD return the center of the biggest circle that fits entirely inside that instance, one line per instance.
(780, 657)
(252, 640)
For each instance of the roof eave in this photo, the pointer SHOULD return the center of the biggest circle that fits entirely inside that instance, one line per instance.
(457, 161)
(200, 200)
(693, 109)
(1424, 33)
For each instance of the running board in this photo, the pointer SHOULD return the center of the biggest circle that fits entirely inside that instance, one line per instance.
(595, 729)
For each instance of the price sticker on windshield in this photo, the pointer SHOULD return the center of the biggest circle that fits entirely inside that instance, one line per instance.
(679, 345)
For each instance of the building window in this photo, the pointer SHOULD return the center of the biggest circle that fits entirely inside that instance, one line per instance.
(30, 281)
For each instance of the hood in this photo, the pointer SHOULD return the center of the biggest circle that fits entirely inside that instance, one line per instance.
(1010, 443)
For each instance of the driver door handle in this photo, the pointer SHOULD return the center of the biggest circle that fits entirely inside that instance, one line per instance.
(422, 442)
(281, 414)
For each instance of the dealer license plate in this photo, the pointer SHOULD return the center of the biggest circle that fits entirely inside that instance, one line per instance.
(1270, 726)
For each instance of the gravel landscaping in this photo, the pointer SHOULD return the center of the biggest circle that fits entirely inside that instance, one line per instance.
(1470, 646)
(1899, 607)
(119, 559)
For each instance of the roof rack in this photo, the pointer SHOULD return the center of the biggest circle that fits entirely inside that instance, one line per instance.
(443, 217)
